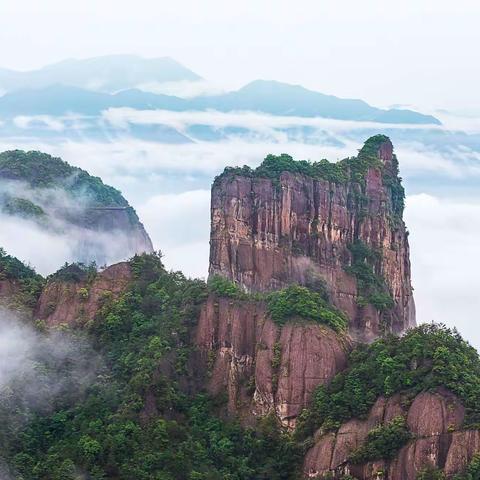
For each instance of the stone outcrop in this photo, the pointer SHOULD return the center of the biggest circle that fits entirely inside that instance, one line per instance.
(291, 228)
(434, 420)
(74, 303)
(267, 233)
(262, 367)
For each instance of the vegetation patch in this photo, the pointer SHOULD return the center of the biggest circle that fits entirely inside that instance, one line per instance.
(23, 208)
(40, 170)
(371, 286)
(296, 302)
(351, 169)
(75, 273)
(383, 442)
(425, 358)
(144, 337)
(225, 288)
(29, 282)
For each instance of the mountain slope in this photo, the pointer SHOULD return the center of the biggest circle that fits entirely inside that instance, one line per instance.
(109, 73)
(273, 98)
(279, 98)
(47, 194)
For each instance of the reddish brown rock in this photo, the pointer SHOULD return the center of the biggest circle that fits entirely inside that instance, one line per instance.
(263, 367)
(75, 303)
(435, 413)
(433, 419)
(265, 236)
(463, 446)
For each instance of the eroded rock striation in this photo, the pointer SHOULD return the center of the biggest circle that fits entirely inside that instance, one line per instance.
(287, 222)
(74, 302)
(261, 366)
(434, 420)
(335, 225)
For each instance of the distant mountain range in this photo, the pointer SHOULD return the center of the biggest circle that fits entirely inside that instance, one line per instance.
(105, 74)
(91, 86)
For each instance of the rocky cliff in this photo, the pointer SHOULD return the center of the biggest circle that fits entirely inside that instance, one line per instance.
(434, 420)
(288, 221)
(265, 368)
(71, 298)
(337, 228)
(309, 273)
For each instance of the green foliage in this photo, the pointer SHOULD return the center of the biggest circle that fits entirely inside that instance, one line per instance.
(75, 272)
(352, 169)
(371, 286)
(225, 288)
(114, 432)
(300, 302)
(277, 355)
(472, 472)
(383, 442)
(22, 207)
(13, 269)
(431, 473)
(41, 170)
(427, 357)
(349, 169)
(29, 283)
(371, 146)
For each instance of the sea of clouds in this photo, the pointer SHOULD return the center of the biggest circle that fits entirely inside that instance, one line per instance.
(169, 185)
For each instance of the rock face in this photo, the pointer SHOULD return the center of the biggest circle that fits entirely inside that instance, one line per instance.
(262, 367)
(267, 233)
(434, 420)
(271, 230)
(75, 303)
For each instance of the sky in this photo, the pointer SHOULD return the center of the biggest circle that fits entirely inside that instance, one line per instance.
(420, 52)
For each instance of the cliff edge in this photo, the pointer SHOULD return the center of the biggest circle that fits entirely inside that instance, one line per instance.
(296, 222)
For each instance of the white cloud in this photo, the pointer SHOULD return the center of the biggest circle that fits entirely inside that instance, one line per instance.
(179, 225)
(183, 88)
(169, 186)
(445, 262)
(51, 123)
(249, 119)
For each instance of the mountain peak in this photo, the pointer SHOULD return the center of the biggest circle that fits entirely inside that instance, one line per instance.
(108, 73)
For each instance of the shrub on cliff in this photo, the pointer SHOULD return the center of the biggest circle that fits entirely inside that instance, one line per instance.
(427, 357)
(28, 281)
(225, 288)
(371, 286)
(75, 272)
(296, 301)
(383, 442)
(353, 169)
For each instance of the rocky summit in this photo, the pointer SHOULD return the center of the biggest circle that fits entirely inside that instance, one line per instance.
(290, 222)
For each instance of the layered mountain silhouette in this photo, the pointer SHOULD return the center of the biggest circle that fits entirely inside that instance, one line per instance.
(109, 73)
(91, 86)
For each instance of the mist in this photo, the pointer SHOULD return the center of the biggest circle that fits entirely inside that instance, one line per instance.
(40, 372)
(169, 186)
(49, 240)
